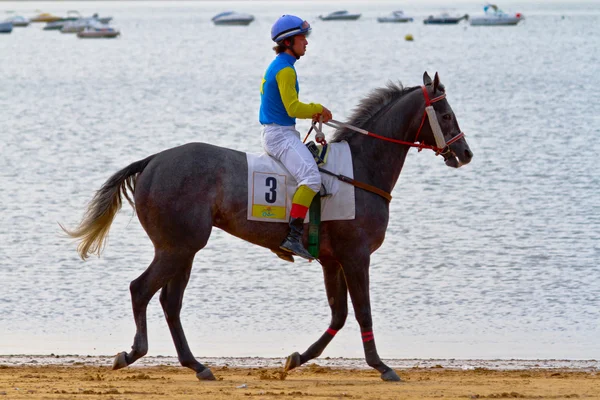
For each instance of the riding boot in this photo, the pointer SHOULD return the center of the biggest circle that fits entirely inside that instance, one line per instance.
(293, 241)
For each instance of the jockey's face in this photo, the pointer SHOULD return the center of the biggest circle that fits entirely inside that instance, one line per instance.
(300, 43)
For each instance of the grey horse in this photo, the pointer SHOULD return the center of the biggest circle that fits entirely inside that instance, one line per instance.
(181, 193)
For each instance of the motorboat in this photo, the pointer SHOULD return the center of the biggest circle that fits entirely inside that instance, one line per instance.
(45, 17)
(232, 18)
(6, 27)
(82, 23)
(494, 16)
(395, 16)
(71, 17)
(76, 26)
(444, 19)
(18, 21)
(341, 15)
(98, 31)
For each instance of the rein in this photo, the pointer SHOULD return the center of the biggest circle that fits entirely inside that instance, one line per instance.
(442, 147)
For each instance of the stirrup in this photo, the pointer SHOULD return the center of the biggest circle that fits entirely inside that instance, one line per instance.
(296, 248)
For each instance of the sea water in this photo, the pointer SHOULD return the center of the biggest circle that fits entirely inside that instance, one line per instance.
(498, 259)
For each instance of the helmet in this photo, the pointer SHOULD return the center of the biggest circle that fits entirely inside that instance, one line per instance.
(287, 26)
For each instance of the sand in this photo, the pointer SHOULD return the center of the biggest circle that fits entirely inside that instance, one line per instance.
(79, 380)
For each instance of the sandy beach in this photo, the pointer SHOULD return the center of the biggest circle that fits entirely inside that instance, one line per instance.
(86, 379)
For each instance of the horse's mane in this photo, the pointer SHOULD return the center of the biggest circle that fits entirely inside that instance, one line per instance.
(371, 105)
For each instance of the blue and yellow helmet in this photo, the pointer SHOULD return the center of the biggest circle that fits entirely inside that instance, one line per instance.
(287, 26)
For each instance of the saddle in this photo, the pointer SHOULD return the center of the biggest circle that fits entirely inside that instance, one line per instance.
(271, 187)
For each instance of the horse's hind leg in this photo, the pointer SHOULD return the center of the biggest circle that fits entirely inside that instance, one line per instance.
(171, 298)
(158, 274)
(337, 295)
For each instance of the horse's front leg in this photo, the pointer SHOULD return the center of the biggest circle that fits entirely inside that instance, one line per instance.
(356, 270)
(337, 295)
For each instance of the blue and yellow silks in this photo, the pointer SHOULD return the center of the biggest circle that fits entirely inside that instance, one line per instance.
(279, 102)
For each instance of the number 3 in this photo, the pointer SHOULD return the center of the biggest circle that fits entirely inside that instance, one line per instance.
(271, 195)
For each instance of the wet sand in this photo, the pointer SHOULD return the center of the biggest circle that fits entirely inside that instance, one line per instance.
(85, 379)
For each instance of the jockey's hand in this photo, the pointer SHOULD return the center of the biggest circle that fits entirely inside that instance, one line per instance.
(326, 114)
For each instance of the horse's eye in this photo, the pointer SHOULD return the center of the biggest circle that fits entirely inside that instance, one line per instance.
(447, 117)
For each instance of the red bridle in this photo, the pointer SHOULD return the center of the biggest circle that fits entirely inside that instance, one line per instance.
(420, 146)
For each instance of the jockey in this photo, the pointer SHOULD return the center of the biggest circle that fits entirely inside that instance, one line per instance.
(279, 108)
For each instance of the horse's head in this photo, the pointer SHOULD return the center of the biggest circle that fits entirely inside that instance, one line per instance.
(442, 129)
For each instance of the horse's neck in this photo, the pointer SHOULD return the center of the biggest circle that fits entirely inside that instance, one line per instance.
(380, 162)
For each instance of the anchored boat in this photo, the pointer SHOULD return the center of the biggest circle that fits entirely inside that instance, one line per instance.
(494, 16)
(232, 18)
(395, 16)
(341, 15)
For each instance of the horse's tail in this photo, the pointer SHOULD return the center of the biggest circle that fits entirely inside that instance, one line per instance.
(101, 211)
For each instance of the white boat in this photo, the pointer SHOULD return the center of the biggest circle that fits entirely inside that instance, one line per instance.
(232, 18)
(444, 19)
(341, 15)
(494, 16)
(6, 27)
(98, 31)
(395, 16)
(73, 16)
(18, 21)
(80, 24)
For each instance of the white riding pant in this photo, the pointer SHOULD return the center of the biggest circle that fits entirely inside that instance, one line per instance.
(283, 143)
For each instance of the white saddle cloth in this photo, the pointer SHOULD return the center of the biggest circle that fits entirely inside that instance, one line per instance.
(271, 187)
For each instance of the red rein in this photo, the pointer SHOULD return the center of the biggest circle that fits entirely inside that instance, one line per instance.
(422, 146)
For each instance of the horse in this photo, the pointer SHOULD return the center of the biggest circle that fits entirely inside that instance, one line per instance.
(179, 195)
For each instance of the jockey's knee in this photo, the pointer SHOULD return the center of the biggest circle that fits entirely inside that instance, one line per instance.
(313, 185)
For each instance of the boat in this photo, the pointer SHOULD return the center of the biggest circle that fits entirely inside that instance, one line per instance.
(98, 31)
(18, 21)
(445, 19)
(341, 15)
(395, 16)
(45, 17)
(494, 16)
(232, 18)
(75, 22)
(6, 27)
(72, 15)
(76, 26)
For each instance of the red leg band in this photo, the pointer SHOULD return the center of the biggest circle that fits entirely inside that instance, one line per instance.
(332, 332)
(298, 211)
(367, 336)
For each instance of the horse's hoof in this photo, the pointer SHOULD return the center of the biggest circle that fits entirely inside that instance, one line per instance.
(205, 375)
(292, 362)
(390, 376)
(120, 361)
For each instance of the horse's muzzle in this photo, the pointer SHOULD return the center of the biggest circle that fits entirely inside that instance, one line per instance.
(455, 160)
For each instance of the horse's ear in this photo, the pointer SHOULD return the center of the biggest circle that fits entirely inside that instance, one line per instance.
(436, 82)
(426, 79)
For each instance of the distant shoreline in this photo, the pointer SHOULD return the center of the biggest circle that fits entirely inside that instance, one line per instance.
(351, 363)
